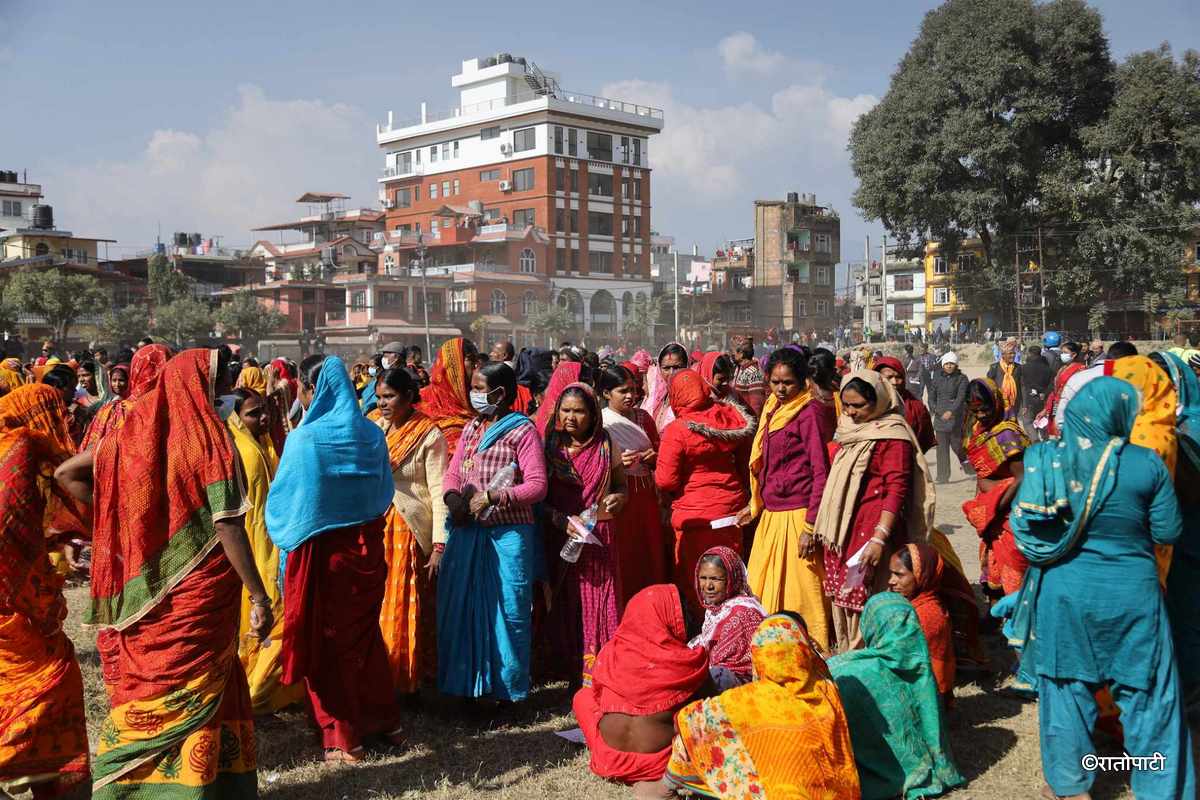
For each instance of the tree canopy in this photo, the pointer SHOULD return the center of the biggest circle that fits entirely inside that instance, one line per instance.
(124, 325)
(247, 319)
(62, 298)
(1010, 115)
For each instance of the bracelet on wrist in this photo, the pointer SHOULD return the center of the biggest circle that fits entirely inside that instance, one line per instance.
(880, 529)
(881, 542)
(264, 602)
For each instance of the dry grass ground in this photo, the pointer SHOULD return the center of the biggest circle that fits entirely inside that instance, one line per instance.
(515, 754)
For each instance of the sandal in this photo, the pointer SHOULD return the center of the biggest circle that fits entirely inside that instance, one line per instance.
(336, 756)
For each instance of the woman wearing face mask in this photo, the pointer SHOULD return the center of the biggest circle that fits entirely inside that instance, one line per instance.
(643, 544)
(1072, 362)
(415, 531)
(370, 402)
(485, 584)
(585, 478)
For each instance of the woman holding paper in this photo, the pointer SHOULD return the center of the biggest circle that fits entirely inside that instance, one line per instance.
(879, 497)
(586, 482)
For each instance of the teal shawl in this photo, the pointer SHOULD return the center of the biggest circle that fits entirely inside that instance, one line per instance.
(891, 702)
(1187, 387)
(1066, 482)
(334, 472)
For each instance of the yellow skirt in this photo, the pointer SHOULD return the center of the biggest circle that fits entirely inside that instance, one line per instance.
(783, 580)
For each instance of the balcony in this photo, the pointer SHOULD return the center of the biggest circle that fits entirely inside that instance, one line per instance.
(731, 294)
(392, 173)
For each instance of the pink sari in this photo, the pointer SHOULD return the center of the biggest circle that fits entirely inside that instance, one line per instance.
(583, 615)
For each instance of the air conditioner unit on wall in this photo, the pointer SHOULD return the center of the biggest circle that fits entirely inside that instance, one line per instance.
(506, 148)
(505, 186)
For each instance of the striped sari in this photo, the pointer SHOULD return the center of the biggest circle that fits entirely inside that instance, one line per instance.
(180, 723)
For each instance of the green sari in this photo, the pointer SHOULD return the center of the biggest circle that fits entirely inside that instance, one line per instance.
(891, 702)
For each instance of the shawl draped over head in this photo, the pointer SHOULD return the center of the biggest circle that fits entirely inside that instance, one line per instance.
(254, 379)
(590, 467)
(565, 374)
(708, 364)
(729, 625)
(1155, 424)
(891, 699)
(937, 580)
(283, 372)
(642, 359)
(143, 371)
(915, 412)
(334, 472)
(159, 487)
(648, 667)
(1187, 388)
(786, 732)
(857, 442)
(124, 393)
(692, 403)
(894, 364)
(10, 375)
(1066, 482)
(657, 385)
(446, 400)
(993, 441)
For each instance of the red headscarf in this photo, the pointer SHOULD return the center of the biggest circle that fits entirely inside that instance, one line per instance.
(283, 371)
(124, 394)
(173, 459)
(692, 402)
(566, 373)
(144, 372)
(941, 590)
(915, 413)
(446, 400)
(708, 365)
(729, 625)
(648, 667)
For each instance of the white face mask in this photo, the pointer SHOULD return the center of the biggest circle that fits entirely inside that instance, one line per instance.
(479, 402)
(372, 371)
(1066, 356)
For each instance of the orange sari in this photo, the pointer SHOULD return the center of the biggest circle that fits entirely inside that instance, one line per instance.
(407, 617)
(43, 739)
(446, 399)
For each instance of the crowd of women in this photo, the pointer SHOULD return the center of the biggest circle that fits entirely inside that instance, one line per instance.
(732, 564)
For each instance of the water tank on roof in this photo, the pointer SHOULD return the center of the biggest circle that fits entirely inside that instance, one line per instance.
(521, 60)
(490, 61)
(194, 240)
(503, 58)
(181, 239)
(160, 249)
(793, 197)
(43, 217)
(476, 206)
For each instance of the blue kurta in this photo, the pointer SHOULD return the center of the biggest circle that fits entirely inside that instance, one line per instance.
(1100, 613)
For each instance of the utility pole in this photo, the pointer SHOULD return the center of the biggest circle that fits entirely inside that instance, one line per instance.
(675, 279)
(883, 284)
(866, 287)
(424, 294)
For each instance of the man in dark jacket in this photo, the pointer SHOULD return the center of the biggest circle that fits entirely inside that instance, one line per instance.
(947, 405)
(1036, 377)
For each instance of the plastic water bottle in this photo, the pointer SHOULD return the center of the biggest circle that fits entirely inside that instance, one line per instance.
(503, 479)
(574, 547)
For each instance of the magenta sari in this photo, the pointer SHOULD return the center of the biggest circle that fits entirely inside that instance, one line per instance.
(583, 614)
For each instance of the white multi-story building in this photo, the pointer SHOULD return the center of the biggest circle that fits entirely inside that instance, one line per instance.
(906, 293)
(17, 199)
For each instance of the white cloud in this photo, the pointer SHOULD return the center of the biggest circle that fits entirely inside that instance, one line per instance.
(740, 52)
(246, 170)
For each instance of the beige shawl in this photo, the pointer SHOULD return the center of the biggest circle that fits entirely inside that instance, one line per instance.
(857, 441)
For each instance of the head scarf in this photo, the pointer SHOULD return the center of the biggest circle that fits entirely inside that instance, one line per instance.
(657, 384)
(334, 472)
(708, 363)
(284, 372)
(565, 374)
(146, 368)
(124, 393)
(258, 455)
(991, 442)
(1187, 388)
(254, 379)
(891, 680)
(1066, 483)
(728, 625)
(894, 364)
(939, 585)
(648, 667)
(642, 359)
(10, 378)
(693, 405)
(159, 487)
(949, 357)
(788, 719)
(446, 400)
(1155, 425)
(857, 443)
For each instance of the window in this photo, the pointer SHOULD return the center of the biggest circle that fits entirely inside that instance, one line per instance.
(822, 276)
(445, 151)
(358, 300)
(433, 191)
(404, 163)
(600, 224)
(903, 312)
(457, 186)
(967, 262)
(798, 271)
(417, 157)
(822, 307)
(560, 220)
(558, 139)
(458, 301)
(903, 283)
(433, 151)
(939, 266)
(522, 179)
(491, 214)
(528, 304)
(600, 262)
(499, 302)
(802, 307)
(573, 259)
(403, 198)
(308, 296)
(434, 302)
(456, 148)
(12, 208)
(824, 243)
(572, 142)
(633, 189)
(490, 133)
(560, 260)
(445, 188)
(560, 180)
(801, 240)
(524, 139)
(625, 151)
(393, 300)
(599, 146)
(600, 184)
(941, 296)
(574, 181)
(631, 226)
(275, 297)
(389, 263)
(528, 261)
(489, 175)
(522, 217)
(637, 152)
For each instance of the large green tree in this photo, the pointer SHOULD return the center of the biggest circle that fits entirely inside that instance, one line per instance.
(991, 93)
(551, 320)
(124, 325)
(247, 319)
(62, 298)
(183, 322)
(166, 283)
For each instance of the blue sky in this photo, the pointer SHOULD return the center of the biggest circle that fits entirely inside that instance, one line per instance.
(214, 116)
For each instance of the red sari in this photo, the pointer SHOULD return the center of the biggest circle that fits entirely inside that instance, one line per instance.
(446, 400)
(945, 605)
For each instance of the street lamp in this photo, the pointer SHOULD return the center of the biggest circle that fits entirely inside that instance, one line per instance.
(424, 294)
